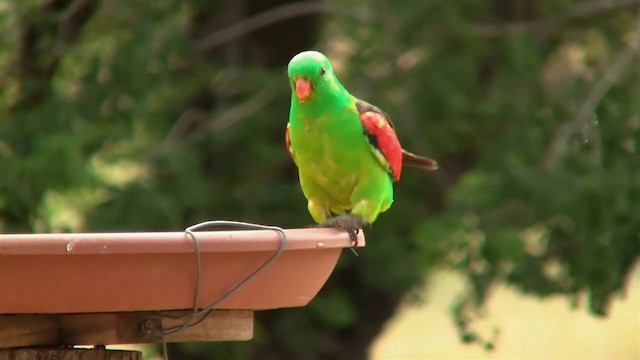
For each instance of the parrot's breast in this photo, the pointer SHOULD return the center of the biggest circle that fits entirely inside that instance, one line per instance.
(332, 151)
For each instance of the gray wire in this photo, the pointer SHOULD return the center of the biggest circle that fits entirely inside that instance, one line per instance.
(191, 318)
(165, 353)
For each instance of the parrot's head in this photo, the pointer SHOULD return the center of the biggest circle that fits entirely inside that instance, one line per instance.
(310, 72)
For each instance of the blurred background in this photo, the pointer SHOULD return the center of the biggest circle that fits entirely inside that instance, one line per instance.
(154, 115)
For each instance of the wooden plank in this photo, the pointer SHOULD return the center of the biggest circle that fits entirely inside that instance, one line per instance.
(118, 328)
(25, 330)
(69, 354)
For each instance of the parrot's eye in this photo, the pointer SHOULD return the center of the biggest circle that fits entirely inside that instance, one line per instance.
(322, 71)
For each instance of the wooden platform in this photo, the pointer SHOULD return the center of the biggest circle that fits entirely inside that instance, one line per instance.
(28, 330)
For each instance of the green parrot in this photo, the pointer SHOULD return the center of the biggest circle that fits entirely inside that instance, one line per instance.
(346, 150)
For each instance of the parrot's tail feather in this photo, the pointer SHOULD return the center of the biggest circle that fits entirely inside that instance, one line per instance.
(411, 159)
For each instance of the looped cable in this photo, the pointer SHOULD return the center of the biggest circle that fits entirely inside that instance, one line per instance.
(198, 314)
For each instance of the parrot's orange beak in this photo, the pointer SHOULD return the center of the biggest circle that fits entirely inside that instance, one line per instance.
(303, 88)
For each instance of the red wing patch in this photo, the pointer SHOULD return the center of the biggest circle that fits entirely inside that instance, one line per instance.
(287, 142)
(384, 141)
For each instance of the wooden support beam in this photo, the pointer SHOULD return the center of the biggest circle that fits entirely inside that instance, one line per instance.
(20, 330)
(69, 354)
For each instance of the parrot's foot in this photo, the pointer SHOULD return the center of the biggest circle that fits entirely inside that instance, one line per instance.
(349, 222)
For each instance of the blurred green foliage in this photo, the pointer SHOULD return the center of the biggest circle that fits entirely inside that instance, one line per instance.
(117, 116)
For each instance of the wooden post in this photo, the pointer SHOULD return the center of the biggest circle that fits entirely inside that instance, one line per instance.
(68, 354)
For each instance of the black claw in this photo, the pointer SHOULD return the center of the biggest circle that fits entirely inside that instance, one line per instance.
(349, 222)
(353, 235)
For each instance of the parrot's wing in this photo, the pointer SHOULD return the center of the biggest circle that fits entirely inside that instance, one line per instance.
(385, 145)
(287, 143)
(384, 142)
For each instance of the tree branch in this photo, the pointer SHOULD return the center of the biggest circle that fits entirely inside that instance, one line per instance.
(37, 59)
(73, 18)
(180, 127)
(237, 113)
(559, 141)
(275, 15)
(193, 115)
(580, 10)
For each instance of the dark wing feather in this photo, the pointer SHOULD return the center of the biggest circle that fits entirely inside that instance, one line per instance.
(411, 159)
(408, 158)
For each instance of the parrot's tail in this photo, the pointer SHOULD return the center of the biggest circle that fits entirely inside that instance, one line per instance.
(411, 159)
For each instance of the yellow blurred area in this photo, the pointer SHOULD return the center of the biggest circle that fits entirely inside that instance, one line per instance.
(530, 328)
